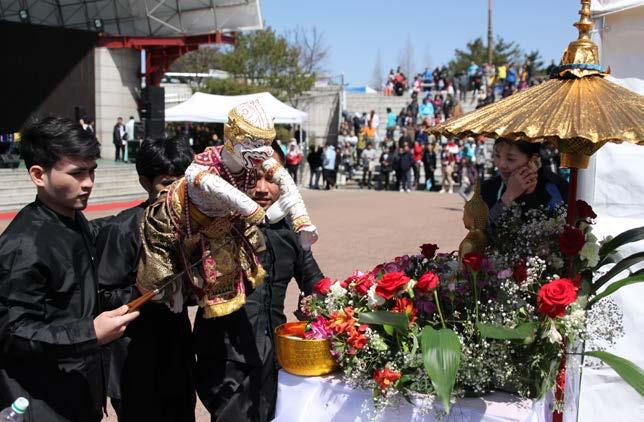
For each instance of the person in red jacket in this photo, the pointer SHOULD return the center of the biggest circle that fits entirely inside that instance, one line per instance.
(417, 154)
(293, 160)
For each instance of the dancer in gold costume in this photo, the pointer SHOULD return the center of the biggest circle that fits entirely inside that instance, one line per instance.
(205, 223)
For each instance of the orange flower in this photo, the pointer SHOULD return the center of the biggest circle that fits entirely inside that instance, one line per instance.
(341, 321)
(356, 339)
(386, 378)
(405, 306)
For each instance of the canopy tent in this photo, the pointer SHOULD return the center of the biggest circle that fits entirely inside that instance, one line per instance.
(209, 108)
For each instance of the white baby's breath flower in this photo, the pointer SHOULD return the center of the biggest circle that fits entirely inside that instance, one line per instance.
(557, 262)
(373, 299)
(337, 290)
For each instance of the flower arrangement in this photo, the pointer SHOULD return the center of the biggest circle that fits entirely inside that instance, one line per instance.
(434, 323)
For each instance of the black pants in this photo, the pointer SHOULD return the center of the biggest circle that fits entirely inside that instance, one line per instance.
(366, 177)
(292, 170)
(119, 152)
(383, 181)
(429, 175)
(236, 392)
(329, 178)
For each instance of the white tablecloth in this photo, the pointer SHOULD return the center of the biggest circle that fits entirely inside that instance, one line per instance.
(318, 399)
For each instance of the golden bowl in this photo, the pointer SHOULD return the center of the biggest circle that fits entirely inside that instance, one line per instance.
(298, 356)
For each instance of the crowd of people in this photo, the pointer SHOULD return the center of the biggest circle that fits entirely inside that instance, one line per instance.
(484, 80)
(409, 157)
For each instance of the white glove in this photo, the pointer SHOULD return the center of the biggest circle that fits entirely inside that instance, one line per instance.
(308, 236)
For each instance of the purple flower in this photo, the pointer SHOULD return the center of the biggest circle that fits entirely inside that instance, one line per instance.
(318, 330)
(486, 266)
(392, 267)
(503, 274)
(426, 306)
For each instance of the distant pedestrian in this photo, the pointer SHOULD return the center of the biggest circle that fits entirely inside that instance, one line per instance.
(118, 137)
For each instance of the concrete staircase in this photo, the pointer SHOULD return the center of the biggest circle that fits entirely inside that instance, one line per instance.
(113, 183)
(364, 103)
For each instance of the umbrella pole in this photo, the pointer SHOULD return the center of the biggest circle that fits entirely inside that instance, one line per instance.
(572, 197)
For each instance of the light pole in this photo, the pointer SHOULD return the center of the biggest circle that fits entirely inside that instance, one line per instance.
(490, 47)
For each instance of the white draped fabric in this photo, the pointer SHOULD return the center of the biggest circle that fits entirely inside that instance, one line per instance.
(327, 399)
(614, 185)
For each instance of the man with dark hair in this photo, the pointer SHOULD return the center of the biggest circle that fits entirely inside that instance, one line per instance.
(118, 136)
(151, 366)
(236, 371)
(51, 328)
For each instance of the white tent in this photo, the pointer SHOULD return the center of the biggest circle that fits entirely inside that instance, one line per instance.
(210, 108)
(613, 184)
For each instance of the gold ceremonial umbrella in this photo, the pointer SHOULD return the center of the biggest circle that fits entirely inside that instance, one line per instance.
(577, 109)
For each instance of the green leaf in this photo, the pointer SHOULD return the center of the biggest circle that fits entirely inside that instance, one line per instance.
(396, 319)
(388, 329)
(622, 265)
(632, 374)
(613, 287)
(441, 357)
(629, 236)
(499, 332)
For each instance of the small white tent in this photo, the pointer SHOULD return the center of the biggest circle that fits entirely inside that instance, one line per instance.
(210, 108)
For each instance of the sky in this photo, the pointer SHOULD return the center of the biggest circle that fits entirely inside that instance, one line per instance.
(356, 31)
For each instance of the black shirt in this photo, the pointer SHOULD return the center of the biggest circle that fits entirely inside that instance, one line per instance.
(48, 301)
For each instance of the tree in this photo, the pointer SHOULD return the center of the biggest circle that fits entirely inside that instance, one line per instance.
(198, 61)
(313, 51)
(427, 58)
(476, 51)
(406, 58)
(378, 73)
(263, 61)
(534, 57)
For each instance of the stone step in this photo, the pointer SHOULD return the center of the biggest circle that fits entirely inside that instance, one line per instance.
(113, 183)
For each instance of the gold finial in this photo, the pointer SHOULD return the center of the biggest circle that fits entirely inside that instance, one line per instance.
(582, 55)
(475, 214)
(585, 24)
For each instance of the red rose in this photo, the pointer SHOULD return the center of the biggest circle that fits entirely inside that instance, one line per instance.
(428, 282)
(323, 286)
(554, 297)
(584, 211)
(520, 272)
(363, 284)
(571, 241)
(428, 250)
(391, 283)
(386, 378)
(473, 260)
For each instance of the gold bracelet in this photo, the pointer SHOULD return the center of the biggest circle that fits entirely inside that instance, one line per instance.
(301, 221)
(272, 170)
(256, 217)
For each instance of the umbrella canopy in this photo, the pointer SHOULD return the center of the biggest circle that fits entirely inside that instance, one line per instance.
(577, 108)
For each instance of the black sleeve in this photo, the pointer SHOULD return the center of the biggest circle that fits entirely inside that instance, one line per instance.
(24, 328)
(118, 247)
(307, 272)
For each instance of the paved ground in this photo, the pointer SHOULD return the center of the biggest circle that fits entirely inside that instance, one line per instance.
(359, 229)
